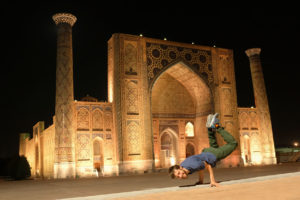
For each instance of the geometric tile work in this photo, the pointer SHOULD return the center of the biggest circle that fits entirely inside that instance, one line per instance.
(97, 120)
(133, 138)
(244, 121)
(83, 146)
(130, 58)
(248, 119)
(227, 102)
(255, 142)
(132, 98)
(108, 121)
(160, 56)
(64, 94)
(225, 63)
(83, 119)
(254, 121)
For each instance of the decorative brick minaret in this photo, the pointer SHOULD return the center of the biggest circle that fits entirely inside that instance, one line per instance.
(64, 165)
(261, 103)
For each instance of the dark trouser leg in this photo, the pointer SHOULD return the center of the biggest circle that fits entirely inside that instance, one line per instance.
(212, 138)
(225, 150)
(228, 148)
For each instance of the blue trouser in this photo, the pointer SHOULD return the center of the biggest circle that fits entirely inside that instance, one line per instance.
(223, 151)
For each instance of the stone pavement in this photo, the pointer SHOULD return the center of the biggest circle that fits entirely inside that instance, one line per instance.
(263, 182)
(277, 188)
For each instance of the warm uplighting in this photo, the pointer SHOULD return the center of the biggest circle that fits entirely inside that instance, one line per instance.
(141, 35)
(64, 170)
(172, 161)
(110, 85)
(296, 144)
(256, 158)
(108, 170)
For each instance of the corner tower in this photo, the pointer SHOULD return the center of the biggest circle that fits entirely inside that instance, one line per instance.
(262, 105)
(64, 165)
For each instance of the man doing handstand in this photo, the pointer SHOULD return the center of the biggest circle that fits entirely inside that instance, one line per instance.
(209, 156)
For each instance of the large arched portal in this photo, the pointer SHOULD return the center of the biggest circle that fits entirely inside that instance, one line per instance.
(155, 84)
(179, 96)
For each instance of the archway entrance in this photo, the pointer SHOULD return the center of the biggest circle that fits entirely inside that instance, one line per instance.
(179, 99)
(169, 148)
(98, 156)
(247, 150)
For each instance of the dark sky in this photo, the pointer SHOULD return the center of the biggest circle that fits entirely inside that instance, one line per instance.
(28, 43)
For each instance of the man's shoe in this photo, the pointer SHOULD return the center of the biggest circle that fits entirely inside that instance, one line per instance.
(209, 118)
(213, 121)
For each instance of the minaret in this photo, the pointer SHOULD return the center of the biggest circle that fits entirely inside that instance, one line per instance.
(64, 166)
(262, 106)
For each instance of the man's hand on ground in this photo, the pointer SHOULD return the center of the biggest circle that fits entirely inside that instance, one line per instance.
(214, 184)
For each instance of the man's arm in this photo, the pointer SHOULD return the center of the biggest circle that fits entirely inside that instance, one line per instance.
(201, 177)
(213, 182)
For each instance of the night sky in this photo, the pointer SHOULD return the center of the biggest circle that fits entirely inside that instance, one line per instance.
(28, 44)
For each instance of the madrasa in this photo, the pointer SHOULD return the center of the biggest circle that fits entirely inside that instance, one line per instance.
(159, 96)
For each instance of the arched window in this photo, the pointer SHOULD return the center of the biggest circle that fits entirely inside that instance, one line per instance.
(96, 148)
(97, 120)
(189, 130)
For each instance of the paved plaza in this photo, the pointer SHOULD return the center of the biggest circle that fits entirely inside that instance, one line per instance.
(279, 181)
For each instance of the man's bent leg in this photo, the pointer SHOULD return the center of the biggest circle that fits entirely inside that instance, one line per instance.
(213, 145)
(212, 138)
(228, 148)
(226, 136)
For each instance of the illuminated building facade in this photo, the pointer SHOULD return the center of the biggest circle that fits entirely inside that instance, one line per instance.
(159, 95)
